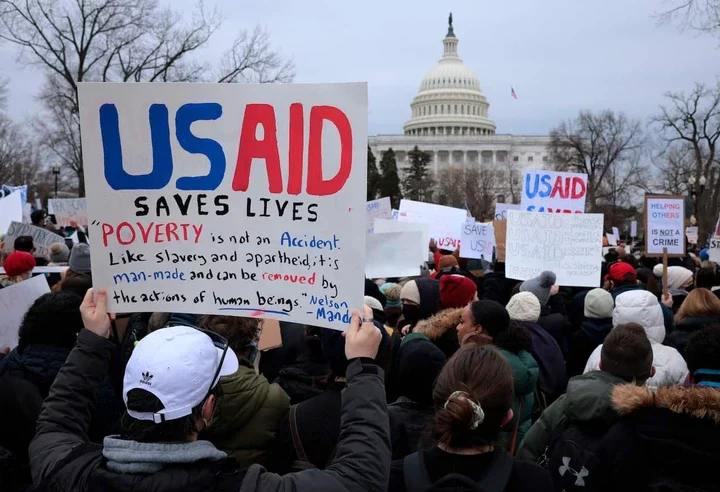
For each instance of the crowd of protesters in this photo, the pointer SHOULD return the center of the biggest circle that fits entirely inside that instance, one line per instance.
(459, 380)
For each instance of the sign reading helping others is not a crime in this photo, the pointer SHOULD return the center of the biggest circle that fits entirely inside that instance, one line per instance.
(665, 225)
(244, 200)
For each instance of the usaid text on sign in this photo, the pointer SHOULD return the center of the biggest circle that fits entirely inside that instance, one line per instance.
(556, 192)
(228, 199)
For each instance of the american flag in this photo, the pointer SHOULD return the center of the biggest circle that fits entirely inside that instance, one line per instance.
(512, 93)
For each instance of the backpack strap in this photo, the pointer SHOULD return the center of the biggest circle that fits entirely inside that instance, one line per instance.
(498, 473)
(513, 441)
(415, 474)
(302, 463)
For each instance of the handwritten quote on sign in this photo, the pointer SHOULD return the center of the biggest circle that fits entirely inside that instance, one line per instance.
(228, 199)
(568, 244)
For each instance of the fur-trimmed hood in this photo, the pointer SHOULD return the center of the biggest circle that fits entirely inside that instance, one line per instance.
(438, 324)
(696, 401)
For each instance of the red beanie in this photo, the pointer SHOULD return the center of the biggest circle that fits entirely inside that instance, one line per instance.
(456, 291)
(17, 263)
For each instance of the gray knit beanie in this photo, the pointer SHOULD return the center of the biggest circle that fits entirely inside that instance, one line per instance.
(540, 286)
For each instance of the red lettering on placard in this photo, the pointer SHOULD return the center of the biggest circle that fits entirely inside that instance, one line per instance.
(250, 148)
(316, 184)
(297, 147)
(578, 188)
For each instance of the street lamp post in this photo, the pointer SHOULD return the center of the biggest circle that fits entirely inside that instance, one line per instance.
(56, 171)
(695, 192)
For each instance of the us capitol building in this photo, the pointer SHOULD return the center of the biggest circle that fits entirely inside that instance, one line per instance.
(450, 120)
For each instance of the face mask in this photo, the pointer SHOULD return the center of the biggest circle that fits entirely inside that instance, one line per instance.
(411, 313)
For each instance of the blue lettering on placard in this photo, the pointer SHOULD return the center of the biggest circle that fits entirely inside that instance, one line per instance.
(184, 118)
(115, 173)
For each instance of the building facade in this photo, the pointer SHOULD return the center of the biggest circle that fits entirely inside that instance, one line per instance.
(450, 120)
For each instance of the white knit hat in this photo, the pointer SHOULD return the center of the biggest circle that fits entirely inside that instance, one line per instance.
(524, 306)
(678, 276)
(599, 304)
(658, 270)
(410, 292)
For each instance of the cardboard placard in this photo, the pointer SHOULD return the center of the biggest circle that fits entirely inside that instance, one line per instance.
(420, 249)
(445, 223)
(248, 207)
(67, 210)
(377, 209)
(665, 225)
(271, 335)
(551, 191)
(14, 303)
(11, 210)
(387, 254)
(567, 244)
(478, 241)
(500, 231)
(42, 238)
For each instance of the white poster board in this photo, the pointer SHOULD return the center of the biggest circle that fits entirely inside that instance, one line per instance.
(616, 233)
(11, 210)
(612, 239)
(633, 228)
(714, 249)
(478, 241)
(445, 222)
(67, 210)
(502, 208)
(568, 244)
(665, 225)
(248, 207)
(692, 234)
(377, 209)
(42, 238)
(551, 191)
(14, 303)
(387, 254)
(418, 249)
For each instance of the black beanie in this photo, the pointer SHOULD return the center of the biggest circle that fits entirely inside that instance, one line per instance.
(492, 315)
(419, 364)
(372, 290)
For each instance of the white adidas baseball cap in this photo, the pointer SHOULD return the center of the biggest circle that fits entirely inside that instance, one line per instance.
(179, 365)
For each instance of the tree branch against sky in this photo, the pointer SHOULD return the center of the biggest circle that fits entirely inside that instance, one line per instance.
(73, 41)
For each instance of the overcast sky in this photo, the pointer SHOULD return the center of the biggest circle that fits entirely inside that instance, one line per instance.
(561, 56)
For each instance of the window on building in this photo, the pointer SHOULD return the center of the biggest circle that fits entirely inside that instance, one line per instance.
(435, 112)
(530, 158)
(455, 112)
(442, 109)
(516, 158)
(462, 109)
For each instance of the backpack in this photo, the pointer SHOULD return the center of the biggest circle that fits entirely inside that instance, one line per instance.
(494, 479)
(570, 457)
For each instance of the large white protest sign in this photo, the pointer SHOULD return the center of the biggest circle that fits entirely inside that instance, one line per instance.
(387, 254)
(502, 208)
(714, 249)
(665, 225)
(551, 191)
(14, 303)
(445, 222)
(568, 244)
(69, 210)
(228, 198)
(478, 241)
(377, 209)
(11, 210)
(419, 249)
(42, 238)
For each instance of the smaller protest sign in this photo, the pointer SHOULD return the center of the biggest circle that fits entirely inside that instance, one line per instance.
(616, 233)
(714, 249)
(717, 228)
(270, 336)
(26, 212)
(377, 209)
(664, 225)
(445, 222)
(395, 214)
(550, 191)
(500, 230)
(42, 239)
(692, 234)
(502, 208)
(633, 228)
(567, 244)
(478, 241)
(38, 204)
(612, 239)
(386, 254)
(10, 210)
(419, 248)
(14, 303)
(7, 190)
(69, 210)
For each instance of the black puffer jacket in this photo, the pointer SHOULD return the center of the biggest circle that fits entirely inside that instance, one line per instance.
(686, 327)
(62, 459)
(409, 426)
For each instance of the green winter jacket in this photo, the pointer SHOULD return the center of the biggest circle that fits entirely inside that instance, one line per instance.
(250, 410)
(587, 399)
(525, 376)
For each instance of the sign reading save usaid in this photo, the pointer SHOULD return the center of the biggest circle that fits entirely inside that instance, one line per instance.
(556, 192)
(234, 199)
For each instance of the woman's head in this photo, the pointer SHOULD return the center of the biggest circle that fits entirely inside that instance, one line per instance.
(473, 396)
(699, 303)
(646, 277)
(483, 317)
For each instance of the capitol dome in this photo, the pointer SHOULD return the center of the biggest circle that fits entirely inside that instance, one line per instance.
(450, 101)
